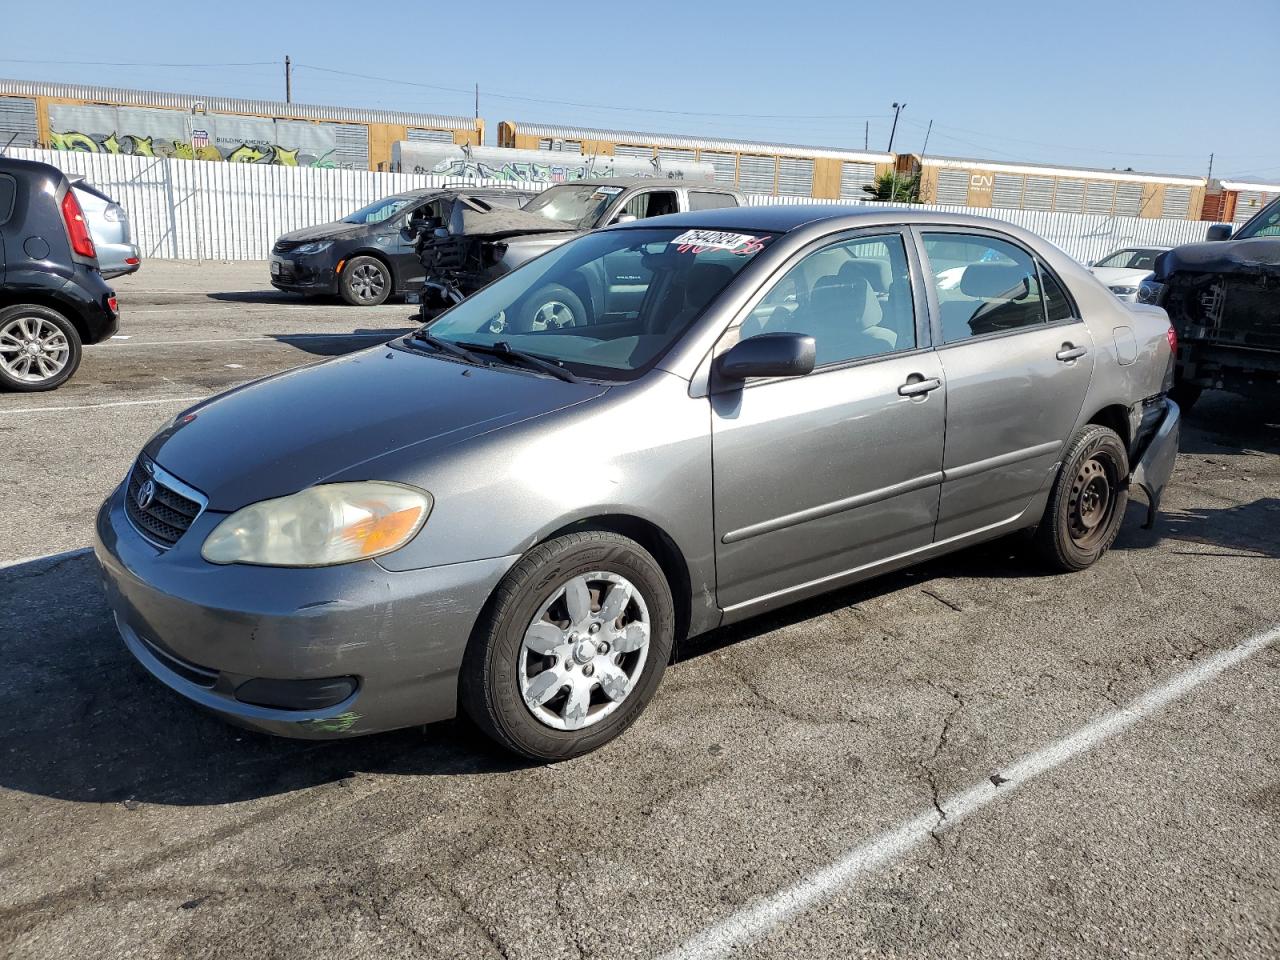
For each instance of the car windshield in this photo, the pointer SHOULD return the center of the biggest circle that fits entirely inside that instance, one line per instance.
(577, 204)
(1131, 260)
(1265, 223)
(379, 211)
(607, 305)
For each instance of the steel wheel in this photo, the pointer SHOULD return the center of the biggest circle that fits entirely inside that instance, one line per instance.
(368, 282)
(553, 315)
(33, 349)
(584, 650)
(1092, 501)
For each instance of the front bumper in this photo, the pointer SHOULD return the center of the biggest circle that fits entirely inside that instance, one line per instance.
(1155, 461)
(204, 630)
(296, 274)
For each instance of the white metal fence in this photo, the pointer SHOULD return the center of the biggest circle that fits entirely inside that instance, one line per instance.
(195, 210)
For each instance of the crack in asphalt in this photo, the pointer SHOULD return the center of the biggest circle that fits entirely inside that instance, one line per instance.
(944, 736)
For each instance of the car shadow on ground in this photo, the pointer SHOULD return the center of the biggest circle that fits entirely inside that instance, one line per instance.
(337, 344)
(269, 296)
(1241, 530)
(1225, 423)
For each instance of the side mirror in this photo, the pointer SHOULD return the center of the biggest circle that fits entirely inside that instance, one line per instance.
(769, 355)
(625, 218)
(1219, 231)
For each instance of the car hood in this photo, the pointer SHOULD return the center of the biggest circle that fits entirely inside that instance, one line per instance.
(1254, 257)
(276, 436)
(326, 231)
(1120, 276)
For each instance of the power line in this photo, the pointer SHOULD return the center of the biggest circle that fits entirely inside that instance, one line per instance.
(593, 106)
(111, 63)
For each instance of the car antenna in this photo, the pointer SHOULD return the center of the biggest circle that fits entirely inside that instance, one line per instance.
(5, 148)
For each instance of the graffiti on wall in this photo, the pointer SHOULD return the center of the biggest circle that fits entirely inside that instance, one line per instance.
(504, 163)
(169, 133)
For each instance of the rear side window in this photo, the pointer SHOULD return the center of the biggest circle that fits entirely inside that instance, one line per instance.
(984, 285)
(705, 200)
(8, 190)
(1056, 304)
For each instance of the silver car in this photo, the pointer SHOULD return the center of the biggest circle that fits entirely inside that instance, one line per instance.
(109, 226)
(761, 404)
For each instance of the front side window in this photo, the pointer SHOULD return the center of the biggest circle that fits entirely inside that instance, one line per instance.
(652, 203)
(1264, 223)
(854, 298)
(607, 304)
(984, 285)
(381, 210)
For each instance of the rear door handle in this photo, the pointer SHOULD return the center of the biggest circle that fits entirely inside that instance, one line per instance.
(917, 386)
(1069, 353)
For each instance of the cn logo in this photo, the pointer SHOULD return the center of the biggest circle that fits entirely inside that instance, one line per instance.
(981, 181)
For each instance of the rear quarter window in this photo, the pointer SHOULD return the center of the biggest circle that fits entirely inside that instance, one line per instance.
(706, 200)
(8, 190)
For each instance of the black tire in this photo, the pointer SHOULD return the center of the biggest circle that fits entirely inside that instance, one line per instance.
(553, 306)
(489, 687)
(366, 282)
(1087, 504)
(36, 316)
(1185, 395)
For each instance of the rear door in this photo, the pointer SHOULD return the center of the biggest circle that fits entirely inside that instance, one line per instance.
(1017, 360)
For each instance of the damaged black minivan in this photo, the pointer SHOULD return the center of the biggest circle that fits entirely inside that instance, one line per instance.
(1223, 298)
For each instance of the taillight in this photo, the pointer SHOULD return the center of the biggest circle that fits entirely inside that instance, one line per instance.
(77, 229)
(113, 303)
(1172, 334)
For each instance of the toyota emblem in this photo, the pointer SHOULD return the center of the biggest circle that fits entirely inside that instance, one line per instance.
(146, 494)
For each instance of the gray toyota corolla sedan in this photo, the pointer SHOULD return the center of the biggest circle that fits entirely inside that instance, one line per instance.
(762, 404)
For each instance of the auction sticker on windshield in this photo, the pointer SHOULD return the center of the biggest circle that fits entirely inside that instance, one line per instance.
(697, 241)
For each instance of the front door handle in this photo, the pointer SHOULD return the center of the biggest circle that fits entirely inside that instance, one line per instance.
(1069, 353)
(917, 385)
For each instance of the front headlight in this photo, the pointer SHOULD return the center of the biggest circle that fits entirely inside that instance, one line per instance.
(1123, 291)
(324, 525)
(1149, 291)
(314, 246)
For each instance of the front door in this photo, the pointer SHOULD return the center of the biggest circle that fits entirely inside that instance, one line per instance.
(1017, 361)
(818, 476)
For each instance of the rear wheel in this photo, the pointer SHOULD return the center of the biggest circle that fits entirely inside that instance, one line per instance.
(571, 648)
(39, 348)
(1087, 504)
(366, 282)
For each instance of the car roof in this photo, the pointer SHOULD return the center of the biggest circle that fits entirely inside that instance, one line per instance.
(784, 218)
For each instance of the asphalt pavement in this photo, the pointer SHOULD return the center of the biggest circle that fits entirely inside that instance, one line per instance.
(969, 759)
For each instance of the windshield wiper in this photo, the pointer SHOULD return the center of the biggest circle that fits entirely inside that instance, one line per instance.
(503, 349)
(447, 346)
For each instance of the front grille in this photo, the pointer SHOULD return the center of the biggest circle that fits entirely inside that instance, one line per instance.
(284, 246)
(163, 516)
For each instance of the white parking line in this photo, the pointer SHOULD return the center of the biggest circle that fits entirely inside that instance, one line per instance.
(757, 919)
(94, 406)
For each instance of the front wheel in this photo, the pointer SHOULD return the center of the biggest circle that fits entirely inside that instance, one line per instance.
(39, 348)
(1086, 506)
(366, 282)
(571, 647)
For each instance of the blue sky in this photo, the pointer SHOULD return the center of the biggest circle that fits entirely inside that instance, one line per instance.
(1153, 86)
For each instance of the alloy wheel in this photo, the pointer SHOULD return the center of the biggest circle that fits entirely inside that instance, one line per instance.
(367, 282)
(33, 349)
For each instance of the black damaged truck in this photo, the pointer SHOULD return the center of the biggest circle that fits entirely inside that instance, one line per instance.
(1223, 298)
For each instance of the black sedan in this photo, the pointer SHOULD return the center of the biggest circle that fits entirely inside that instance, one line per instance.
(369, 255)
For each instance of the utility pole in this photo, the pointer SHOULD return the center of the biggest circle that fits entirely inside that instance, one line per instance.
(477, 101)
(866, 135)
(926, 139)
(288, 79)
(1210, 176)
(897, 109)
